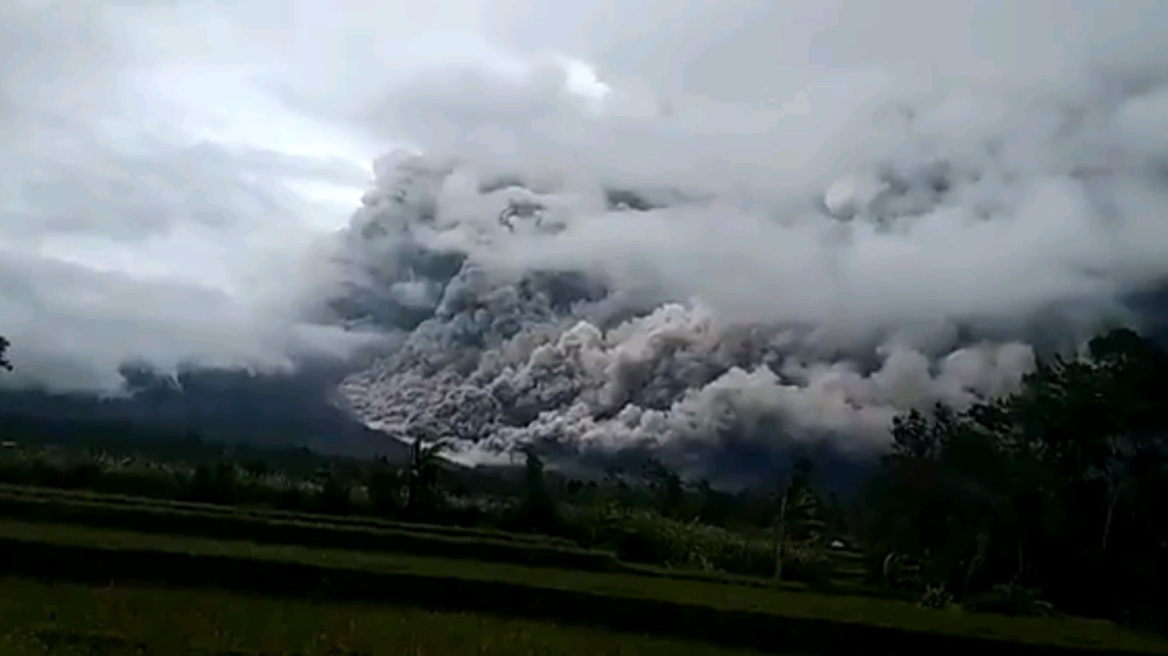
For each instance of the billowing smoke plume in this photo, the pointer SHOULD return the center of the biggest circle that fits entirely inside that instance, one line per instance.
(677, 320)
(768, 227)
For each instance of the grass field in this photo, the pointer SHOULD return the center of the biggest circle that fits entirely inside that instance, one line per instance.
(356, 521)
(715, 613)
(314, 530)
(304, 530)
(38, 619)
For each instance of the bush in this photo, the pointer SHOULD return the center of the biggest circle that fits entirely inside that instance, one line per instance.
(806, 563)
(647, 538)
(335, 497)
(384, 490)
(1011, 600)
(935, 596)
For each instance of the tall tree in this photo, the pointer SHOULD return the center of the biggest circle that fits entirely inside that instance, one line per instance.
(1056, 487)
(539, 506)
(422, 475)
(666, 487)
(797, 515)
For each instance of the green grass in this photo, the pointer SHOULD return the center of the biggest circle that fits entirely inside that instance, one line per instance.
(359, 521)
(205, 520)
(710, 611)
(39, 619)
(239, 526)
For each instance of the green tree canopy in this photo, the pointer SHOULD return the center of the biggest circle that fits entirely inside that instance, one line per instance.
(1057, 487)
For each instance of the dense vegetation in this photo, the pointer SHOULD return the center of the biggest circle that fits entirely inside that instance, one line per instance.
(620, 516)
(1052, 492)
(1042, 501)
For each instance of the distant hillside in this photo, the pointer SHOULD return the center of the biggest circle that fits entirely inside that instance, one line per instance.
(219, 406)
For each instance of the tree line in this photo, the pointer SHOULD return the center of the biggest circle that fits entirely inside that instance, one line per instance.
(1051, 492)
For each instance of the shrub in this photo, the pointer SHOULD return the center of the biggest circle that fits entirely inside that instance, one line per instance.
(646, 537)
(805, 562)
(935, 596)
(384, 490)
(1008, 599)
(335, 497)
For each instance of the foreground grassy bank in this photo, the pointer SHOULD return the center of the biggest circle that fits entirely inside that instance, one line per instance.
(38, 619)
(729, 615)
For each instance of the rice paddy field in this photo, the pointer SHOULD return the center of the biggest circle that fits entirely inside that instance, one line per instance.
(86, 573)
(39, 619)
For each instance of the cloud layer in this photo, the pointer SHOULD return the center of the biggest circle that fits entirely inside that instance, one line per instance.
(154, 208)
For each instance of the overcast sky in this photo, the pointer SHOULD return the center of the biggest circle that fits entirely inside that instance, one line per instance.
(169, 168)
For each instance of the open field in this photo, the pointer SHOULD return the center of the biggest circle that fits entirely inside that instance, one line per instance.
(104, 510)
(84, 508)
(359, 521)
(38, 619)
(703, 611)
(222, 523)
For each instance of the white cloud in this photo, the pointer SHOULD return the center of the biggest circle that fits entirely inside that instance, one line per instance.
(156, 209)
